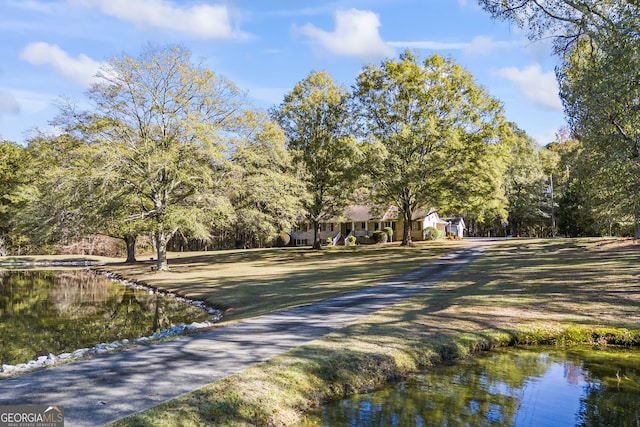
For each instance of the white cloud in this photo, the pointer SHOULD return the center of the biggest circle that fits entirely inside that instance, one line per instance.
(356, 34)
(480, 45)
(32, 107)
(483, 45)
(430, 45)
(546, 137)
(80, 70)
(541, 88)
(8, 103)
(201, 20)
(34, 102)
(34, 6)
(266, 96)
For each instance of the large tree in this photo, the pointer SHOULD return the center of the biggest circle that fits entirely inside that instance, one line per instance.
(263, 188)
(598, 43)
(431, 130)
(53, 199)
(14, 172)
(527, 186)
(568, 22)
(318, 125)
(67, 198)
(161, 123)
(601, 92)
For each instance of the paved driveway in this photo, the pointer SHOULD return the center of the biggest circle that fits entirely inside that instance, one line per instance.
(98, 391)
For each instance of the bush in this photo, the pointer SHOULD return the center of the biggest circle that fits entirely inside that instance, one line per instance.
(380, 236)
(283, 239)
(431, 233)
(351, 240)
(389, 232)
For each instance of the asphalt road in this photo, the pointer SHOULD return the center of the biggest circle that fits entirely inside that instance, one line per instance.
(98, 391)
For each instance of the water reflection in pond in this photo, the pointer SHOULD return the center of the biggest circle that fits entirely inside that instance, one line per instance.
(577, 387)
(44, 312)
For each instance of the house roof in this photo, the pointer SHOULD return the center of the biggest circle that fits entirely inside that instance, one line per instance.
(361, 213)
(455, 221)
(365, 213)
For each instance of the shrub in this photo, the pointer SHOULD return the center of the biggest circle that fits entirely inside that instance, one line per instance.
(380, 236)
(389, 232)
(283, 239)
(431, 233)
(351, 240)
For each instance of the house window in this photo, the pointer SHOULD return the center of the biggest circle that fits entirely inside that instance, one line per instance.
(331, 224)
(364, 225)
(324, 226)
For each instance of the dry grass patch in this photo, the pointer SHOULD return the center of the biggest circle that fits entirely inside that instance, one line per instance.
(254, 282)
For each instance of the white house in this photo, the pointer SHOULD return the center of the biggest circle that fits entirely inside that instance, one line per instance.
(362, 221)
(455, 226)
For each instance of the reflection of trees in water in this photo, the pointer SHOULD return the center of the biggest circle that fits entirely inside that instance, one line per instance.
(57, 311)
(489, 391)
(480, 394)
(139, 309)
(80, 292)
(613, 392)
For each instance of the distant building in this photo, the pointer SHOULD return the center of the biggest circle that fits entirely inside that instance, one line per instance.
(362, 220)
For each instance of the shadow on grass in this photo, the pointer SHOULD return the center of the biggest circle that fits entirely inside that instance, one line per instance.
(564, 281)
(251, 283)
(519, 282)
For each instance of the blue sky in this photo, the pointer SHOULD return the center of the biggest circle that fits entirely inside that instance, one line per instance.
(53, 48)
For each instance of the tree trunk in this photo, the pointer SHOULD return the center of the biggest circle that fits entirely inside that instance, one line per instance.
(130, 241)
(406, 227)
(316, 235)
(161, 248)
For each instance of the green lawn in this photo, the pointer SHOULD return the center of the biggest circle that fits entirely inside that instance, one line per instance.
(521, 291)
(248, 283)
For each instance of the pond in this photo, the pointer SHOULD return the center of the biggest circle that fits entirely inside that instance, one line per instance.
(43, 312)
(525, 387)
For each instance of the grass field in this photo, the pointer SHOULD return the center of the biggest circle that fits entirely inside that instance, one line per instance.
(520, 292)
(253, 282)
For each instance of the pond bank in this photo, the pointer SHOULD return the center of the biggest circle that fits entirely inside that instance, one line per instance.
(281, 391)
(134, 379)
(521, 386)
(54, 316)
(558, 292)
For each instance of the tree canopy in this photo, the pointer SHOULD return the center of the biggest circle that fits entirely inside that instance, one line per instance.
(168, 148)
(263, 188)
(160, 122)
(318, 124)
(598, 44)
(431, 129)
(15, 164)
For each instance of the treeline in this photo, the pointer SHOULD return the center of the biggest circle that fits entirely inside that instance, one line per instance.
(169, 149)
(597, 41)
